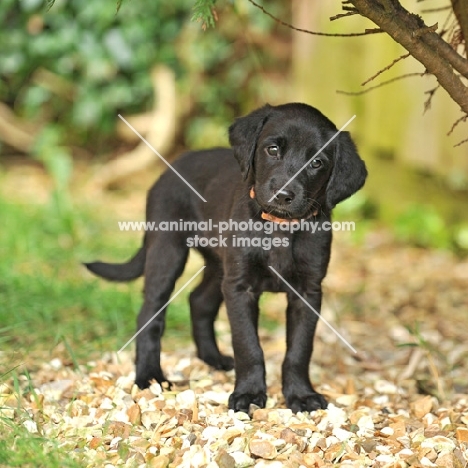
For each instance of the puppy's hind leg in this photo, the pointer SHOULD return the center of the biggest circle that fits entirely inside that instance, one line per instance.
(165, 261)
(205, 301)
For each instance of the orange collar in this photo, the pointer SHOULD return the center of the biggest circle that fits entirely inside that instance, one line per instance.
(270, 217)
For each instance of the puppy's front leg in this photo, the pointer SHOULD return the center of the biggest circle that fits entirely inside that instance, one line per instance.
(242, 308)
(301, 325)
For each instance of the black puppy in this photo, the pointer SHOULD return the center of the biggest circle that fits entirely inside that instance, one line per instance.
(270, 145)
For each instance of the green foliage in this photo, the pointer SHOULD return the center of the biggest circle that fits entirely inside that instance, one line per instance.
(75, 65)
(360, 210)
(97, 62)
(203, 12)
(423, 226)
(461, 236)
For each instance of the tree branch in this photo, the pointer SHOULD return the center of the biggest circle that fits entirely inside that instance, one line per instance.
(430, 93)
(460, 8)
(461, 143)
(314, 33)
(402, 57)
(384, 83)
(343, 15)
(438, 57)
(461, 119)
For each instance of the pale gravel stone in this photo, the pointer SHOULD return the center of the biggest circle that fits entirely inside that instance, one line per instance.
(426, 462)
(148, 418)
(218, 445)
(346, 400)
(115, 442)
(439, 443)
(53, 391)
(155, 389)
(240, 416)
(445, 421)
(212, 433)
(263, 435)
(238, 445)
(331, 440)
(384, 458)
(215, 397)
(383, 449)
(429, 419)
(56, 364)
(120, 416)
(405, 453)
(387, 431)
(268, 464)
(332, 415)
(279, 443)
(242, 460)
(366, 426)
(8, 413)
(195, 457)
(381, 400)
(316, 436)
(107, 404)
(342, 434)
(31, 426)
(285, 414)
(186, 399)
(383, 386)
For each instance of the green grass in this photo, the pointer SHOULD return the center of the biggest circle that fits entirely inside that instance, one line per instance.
(46, 295)
(20, 448)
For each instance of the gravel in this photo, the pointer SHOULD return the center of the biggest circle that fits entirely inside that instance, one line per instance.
(400, 401)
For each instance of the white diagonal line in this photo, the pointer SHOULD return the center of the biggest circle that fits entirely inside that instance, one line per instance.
(314, 311)
(160, 157)
(317, 153)
(161, 309)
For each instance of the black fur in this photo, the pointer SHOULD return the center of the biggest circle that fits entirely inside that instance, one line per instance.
(238, 275)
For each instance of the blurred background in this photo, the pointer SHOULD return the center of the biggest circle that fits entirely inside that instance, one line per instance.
(70, 167)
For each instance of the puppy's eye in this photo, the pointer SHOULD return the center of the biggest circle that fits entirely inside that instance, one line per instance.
(316, 163)
(273, 151)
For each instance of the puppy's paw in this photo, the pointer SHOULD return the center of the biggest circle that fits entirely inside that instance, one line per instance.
(220, 362)
(144, 381)
(242, 401)
(309, 402)
(226, 363)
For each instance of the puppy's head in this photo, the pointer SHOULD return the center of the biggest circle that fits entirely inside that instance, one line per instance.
(282, 155)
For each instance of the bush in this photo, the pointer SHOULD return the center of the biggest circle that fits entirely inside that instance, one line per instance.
(79, 64)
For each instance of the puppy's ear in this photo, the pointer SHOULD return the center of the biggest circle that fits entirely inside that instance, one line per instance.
(349, 172)
(243, 135)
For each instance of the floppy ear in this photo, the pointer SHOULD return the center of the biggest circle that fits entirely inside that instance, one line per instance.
(243, 135)
(349, 172)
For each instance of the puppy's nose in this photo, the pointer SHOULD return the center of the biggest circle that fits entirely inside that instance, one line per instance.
(285, 197)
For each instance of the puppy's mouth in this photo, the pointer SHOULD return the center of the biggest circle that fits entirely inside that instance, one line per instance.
(281, 216)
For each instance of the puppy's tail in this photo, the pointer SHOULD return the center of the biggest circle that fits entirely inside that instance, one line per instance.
(129, 271)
